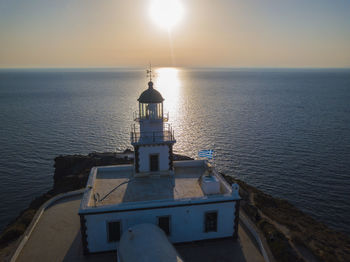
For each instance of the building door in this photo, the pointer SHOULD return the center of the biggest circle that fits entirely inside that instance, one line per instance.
(154, 162)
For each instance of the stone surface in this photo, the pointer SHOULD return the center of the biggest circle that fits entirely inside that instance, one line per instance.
(183, 184)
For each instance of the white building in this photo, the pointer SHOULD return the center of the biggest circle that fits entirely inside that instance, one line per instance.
(189, 200)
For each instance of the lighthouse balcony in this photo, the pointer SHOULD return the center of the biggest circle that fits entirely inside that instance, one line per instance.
(166, 136)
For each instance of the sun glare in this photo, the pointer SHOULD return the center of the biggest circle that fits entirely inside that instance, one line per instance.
(166, 13)
(168, 84)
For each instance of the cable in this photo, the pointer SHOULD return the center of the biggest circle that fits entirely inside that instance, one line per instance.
(110, 192)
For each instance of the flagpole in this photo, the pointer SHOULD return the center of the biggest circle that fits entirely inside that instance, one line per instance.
(213, 159)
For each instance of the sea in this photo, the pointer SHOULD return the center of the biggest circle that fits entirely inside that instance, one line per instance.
(284, 131)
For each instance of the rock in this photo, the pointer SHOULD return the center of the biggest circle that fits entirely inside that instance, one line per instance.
(323, 243)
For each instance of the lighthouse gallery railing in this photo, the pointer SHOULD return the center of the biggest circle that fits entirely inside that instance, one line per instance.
(152, 137)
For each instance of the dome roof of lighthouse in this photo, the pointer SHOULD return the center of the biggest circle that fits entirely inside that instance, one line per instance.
(150, 95)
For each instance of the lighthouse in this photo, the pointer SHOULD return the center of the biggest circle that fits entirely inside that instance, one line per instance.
(155, 198)
(152, 136)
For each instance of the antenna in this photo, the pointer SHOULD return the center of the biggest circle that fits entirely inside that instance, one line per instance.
(150, 72)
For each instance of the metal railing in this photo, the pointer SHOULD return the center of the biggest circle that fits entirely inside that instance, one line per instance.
(167, 135)
(137, 117)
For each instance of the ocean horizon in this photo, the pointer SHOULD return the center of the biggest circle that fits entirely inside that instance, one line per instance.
(285, 131)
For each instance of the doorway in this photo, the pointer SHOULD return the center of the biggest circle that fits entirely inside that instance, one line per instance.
(154, 162)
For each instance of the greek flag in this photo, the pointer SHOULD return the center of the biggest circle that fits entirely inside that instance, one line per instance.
(206, 153)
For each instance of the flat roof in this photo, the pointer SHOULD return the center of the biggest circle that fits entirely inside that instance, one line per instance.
(116, 184)
(184, 184)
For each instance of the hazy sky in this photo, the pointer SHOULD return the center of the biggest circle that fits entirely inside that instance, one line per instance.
(239, 33)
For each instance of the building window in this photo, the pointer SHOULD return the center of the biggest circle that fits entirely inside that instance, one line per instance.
(211, 221)
(114, 231)
(164, 223)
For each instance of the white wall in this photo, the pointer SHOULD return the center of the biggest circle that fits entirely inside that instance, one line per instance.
(144, 157)
(187, 223)
(151, 126)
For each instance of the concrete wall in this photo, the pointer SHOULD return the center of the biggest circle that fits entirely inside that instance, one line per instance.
(186, 223)
(144, 157)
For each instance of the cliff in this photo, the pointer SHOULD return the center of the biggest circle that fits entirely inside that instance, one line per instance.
(290, 234)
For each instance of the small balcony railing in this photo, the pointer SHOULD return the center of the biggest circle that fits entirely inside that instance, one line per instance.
(137, 117)
(165, 136)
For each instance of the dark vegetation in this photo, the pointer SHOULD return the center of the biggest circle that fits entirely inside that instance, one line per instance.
(305, 238)
(305, 233)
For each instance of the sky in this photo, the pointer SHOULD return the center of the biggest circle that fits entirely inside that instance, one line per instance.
(220, 33)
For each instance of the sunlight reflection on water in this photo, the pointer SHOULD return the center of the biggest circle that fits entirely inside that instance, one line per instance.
(169, 85)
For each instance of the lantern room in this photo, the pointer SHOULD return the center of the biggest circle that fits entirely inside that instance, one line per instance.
(150, 104)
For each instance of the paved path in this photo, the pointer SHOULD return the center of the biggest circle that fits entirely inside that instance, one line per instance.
(222, 250)
(56, 237)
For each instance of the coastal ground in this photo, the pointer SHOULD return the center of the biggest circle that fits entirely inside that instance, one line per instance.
(290, 234)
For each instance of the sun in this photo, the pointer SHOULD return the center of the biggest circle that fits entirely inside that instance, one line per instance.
(166, 13)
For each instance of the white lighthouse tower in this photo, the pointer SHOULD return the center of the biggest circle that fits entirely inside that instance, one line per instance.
(152, 137)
